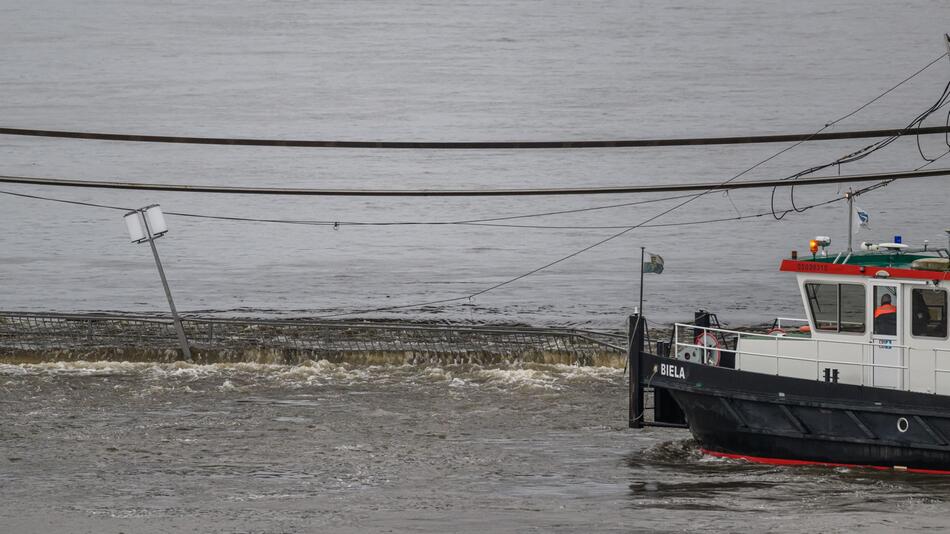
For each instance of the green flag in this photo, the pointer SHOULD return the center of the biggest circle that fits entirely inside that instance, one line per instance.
(655, 265)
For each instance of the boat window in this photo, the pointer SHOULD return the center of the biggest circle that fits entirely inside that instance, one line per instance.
(930, 313)
(837, 307)
(823, 300)
(853, 308)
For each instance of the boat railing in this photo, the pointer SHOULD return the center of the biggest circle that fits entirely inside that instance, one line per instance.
(709, 344)
(937, 370)
(782, 322)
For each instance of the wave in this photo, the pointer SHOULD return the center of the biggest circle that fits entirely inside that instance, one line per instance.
(235, 376)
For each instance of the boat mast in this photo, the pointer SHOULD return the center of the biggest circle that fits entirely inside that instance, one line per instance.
(850, 196)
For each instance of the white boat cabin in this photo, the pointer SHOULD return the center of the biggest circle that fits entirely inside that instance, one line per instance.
(874, 318)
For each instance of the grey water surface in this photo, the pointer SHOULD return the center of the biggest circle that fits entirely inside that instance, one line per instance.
(477, 70)
(113, 447)
(155, 448)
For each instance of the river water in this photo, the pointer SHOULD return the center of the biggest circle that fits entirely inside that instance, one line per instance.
(474, 70)
(114, 447)
(154, 448)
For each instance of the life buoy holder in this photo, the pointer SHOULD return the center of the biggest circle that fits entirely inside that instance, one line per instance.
(711, 344)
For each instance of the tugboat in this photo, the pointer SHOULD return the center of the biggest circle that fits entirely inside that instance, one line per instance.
(864, 381)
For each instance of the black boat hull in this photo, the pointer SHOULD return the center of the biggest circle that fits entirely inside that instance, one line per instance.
(781, 418)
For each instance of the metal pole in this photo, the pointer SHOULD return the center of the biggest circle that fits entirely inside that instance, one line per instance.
(640, 310)
(179, 329)
(635, 334)
(850, 197)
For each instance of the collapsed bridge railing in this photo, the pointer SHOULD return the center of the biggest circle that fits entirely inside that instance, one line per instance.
(64, 337)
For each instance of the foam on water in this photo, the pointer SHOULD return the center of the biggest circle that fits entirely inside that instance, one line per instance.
(322, 372)
(530, 378)
(364, 440)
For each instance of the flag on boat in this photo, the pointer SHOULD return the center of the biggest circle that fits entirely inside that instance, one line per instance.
(655, 265)
(861, 219)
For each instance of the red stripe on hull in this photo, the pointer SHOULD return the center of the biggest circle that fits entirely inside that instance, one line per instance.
(785, 461)
(815, 267)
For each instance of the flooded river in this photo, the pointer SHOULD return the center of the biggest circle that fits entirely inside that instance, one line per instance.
(147, 448)
(112, 447)
(477, 70)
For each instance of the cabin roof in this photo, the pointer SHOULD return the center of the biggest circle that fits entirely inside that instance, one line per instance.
(876, 259)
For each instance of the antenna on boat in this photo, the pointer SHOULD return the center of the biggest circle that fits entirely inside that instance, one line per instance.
(850, 196)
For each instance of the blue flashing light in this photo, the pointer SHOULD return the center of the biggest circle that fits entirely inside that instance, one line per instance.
(897, 239)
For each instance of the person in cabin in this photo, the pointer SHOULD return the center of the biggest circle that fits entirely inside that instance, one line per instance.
(885, 317)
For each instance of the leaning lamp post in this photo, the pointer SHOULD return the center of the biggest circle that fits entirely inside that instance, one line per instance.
(148, 224)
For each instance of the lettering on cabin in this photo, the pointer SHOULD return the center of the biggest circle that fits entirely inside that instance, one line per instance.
(811, 267)
(672, 370)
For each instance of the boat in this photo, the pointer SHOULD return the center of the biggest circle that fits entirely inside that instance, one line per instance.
(863, 379)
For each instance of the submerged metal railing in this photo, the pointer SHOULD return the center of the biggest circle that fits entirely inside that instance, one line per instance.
(46, 335)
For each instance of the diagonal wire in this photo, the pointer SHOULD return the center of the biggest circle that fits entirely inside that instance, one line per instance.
(657, 216)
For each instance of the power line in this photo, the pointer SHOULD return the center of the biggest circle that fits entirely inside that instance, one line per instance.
(577, 210)
(64, 201)
(610, 190)
(472, 222)
(642, 225)
(864, 152)
(885, 93)
(657, 225)
(489, 222)
(578, 252)
(690, 198)
(456, 299)
(473, 145)
(681, 204)
(720, 186)
(503, 145)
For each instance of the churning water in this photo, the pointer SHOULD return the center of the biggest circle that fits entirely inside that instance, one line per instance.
(112, 447)
(139, 448)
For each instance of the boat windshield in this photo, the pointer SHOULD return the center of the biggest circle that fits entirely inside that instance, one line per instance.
(837, 307)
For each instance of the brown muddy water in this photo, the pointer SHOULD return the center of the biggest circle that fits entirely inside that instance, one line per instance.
(322, 447)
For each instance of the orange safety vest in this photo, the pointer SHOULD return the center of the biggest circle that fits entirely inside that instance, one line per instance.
(884, 309)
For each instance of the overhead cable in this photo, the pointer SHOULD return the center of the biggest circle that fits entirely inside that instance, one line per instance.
(866, 151)
(661, 214)
(488, 222)
(691, 198)
(500, 145)
(473, 222)
(553, 191)
(475, 145)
